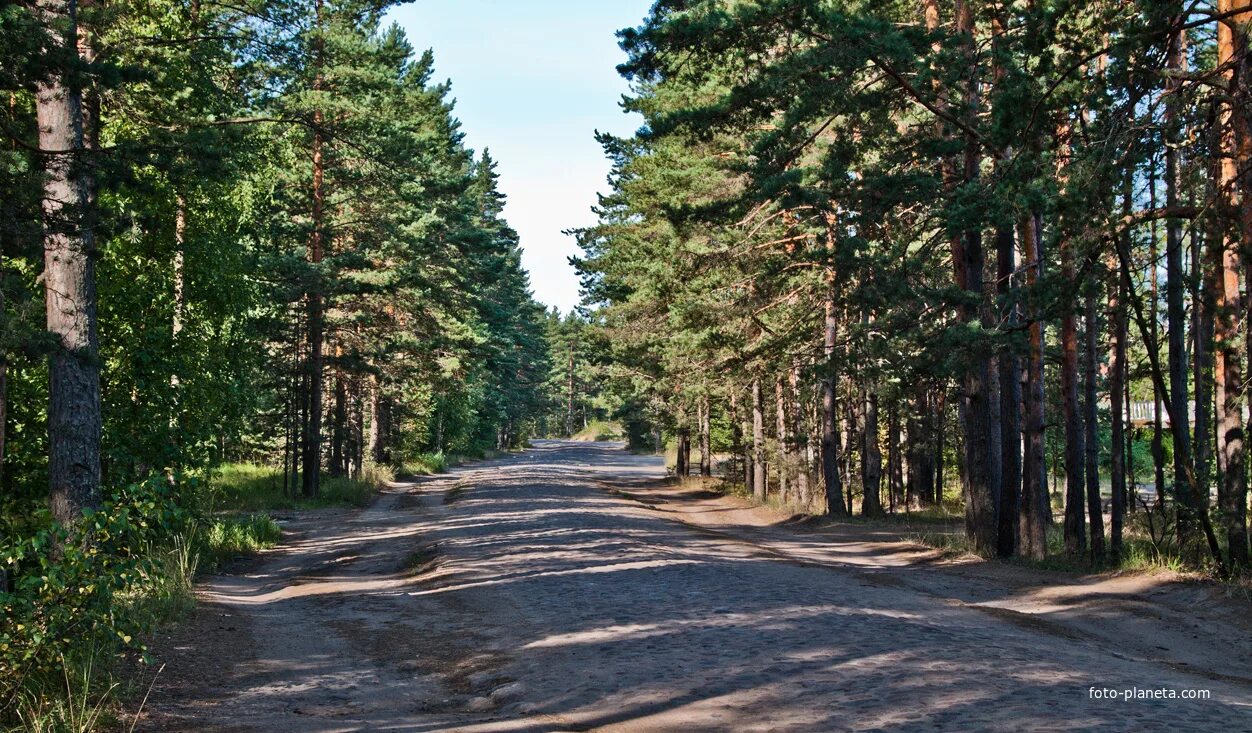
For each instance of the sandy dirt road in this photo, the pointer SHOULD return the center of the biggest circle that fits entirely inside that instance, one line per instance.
(560, 589)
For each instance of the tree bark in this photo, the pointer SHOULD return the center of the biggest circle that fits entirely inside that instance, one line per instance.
(1232, 47)
(785, 460)
(312, 474)
(982, 478)
(830, 439)
(802, 440)
(871, 460)
(1034, 512)
(69, 279)
(759, 477)
(1117, 403)
(1175, 312)
(1091, 414)
(1010, 401)
(706, 445)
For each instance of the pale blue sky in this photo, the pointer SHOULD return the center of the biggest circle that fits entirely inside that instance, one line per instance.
(533, 80)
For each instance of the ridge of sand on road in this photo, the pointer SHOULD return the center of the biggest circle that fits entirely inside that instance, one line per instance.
(512, 596)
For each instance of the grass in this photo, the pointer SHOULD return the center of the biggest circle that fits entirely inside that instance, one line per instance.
(600, 430)
(226, 538)
(424, 464)
(249, 487)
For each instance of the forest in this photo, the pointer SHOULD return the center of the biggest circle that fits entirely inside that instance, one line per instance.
(895, 256)
(238, 240)
(983, 263)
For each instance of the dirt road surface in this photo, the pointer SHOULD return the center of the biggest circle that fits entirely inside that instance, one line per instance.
(564, 589)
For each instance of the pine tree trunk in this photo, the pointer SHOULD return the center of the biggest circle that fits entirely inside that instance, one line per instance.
(894, 473)
(380, 427)
(760, 485)
(1034, 512)
(358, 428)
(981, 465)
(1095, 506)
(940, 435)
(1075, 539)
(339, 430)
(1118, 405)
(1010, 402)
(1174, 307)
(1158, 429)
(871, 460)
(785, 463)
(1075, 483)
(706, 444)
(312, 474)
(1232, 42)
(569, 395)
(830, 440)
(69, 280)
(801, 437)
(682, 466)
(736, 439)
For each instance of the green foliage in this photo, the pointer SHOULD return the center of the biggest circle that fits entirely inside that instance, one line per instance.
(69, 588)
(600, 430)
(249, 487)
(223, 539)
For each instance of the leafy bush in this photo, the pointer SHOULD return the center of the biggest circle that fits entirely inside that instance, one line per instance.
(69, 589)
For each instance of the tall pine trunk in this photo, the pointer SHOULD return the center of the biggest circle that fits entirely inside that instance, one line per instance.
(1075, 492)
(871, 460)
(1236, 136)
(1091, 413)
(830, 438)
(1175, 311)
(982, 475)
(1010, 401)
(801, 436)
(759, 477)
(1118, 404)
(74, 420)
(785, 462)
(1035, 509)
(706, 444)
(312, 449)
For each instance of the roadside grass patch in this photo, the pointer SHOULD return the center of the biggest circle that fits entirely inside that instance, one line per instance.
(250, 487)
(600, 431)
(423, 464)
(226, 538)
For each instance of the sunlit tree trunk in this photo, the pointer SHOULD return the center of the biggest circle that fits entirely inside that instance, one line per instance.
(1233, 186)
(802, 440)
(759, 477)
(706, 445)
(785, 462)
(1091, 413)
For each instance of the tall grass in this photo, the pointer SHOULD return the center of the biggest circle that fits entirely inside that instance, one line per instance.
(249, 487)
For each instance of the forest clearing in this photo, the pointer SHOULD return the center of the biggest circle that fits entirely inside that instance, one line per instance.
(897, 378)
